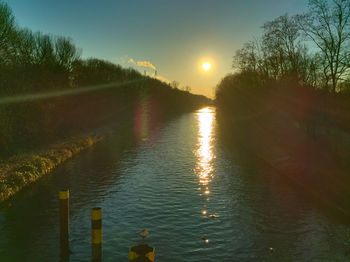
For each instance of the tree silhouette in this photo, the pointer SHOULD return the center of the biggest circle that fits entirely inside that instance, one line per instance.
(327, 24)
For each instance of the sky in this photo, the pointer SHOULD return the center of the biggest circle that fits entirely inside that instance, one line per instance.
(173, 37)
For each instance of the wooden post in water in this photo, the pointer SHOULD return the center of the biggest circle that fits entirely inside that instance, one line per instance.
(141, 253)
(96, 234)
(64, 223)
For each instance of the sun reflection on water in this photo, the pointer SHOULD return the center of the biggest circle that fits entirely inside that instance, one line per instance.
(204, 152)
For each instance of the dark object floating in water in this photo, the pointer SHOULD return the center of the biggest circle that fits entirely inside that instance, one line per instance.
(206, 240)
(144, 233)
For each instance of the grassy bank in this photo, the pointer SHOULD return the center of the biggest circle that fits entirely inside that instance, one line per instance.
(22, 170)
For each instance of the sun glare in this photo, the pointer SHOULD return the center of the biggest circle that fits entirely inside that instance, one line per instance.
(206, 66)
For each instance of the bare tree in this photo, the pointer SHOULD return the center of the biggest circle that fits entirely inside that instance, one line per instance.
(43, 52)
(252, 58)
(175, 84)
(66, 53)
(25, 46)
(7, 33)
(187, 89)
(246, 58)
(281, 39)
(328, 26)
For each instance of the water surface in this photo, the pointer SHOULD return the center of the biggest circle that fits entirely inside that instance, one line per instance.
(177, 180)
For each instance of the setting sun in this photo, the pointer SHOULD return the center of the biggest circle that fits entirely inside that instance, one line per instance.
(206, 66)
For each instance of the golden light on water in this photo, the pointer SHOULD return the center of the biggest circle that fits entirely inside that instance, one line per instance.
(204, 152)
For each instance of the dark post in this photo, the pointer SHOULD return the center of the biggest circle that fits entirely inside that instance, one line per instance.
(96, 234)
(141, 253)
(64, 223)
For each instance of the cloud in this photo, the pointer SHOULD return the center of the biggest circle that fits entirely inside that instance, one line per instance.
(146, 64)
(142, 63)
(161, 78)
(131, 61)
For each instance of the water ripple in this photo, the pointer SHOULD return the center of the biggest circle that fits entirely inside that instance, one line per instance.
(197, 203)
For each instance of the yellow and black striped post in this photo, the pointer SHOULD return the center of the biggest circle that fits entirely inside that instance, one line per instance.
(96, 234)
(64, 222)
(141, 253)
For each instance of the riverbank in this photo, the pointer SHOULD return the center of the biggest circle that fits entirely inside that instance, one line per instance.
(20, 171)
(291, 135)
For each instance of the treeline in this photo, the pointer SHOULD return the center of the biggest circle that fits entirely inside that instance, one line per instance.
(312, 48)
(304, 57)
(287, 106)
(37, 63)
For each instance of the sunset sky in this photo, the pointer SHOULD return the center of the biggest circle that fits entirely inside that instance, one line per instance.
(174, 36)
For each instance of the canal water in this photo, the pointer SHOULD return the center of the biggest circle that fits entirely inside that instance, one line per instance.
(177, 180)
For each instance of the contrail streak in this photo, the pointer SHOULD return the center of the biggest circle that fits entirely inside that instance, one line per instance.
(45, 95)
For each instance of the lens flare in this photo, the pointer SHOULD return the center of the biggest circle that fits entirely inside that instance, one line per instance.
(67, 92)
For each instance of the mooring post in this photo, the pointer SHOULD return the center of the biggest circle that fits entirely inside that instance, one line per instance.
(141, 253)
(96, 234)
(64, 223)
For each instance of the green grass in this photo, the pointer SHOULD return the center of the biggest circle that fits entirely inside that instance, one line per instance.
(20, 171)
